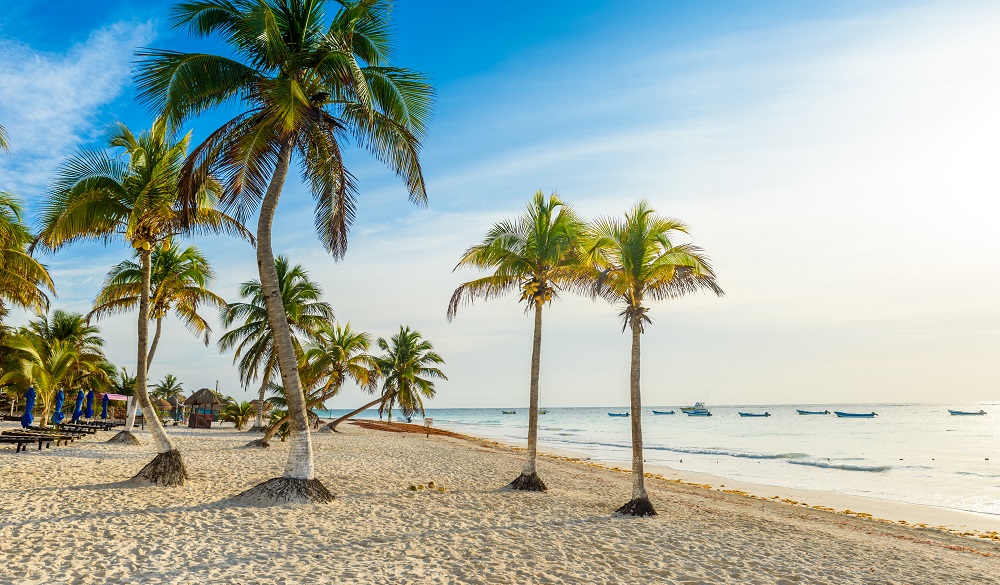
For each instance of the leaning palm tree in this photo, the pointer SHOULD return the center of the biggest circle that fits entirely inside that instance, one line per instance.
(635, 259)
(179, 281)
(22, 277)
(305, 81)
(408, 369)
(535, 254)
(252, 341)
(339, 353)
(134, 196)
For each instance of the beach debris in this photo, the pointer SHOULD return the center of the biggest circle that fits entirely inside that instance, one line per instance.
(430, 486)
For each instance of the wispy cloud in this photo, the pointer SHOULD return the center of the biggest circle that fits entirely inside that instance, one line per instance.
(51, 102)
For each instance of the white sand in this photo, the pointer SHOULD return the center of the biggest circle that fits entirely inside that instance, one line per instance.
(68, 516)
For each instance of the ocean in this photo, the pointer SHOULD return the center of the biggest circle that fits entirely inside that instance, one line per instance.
(913, 453)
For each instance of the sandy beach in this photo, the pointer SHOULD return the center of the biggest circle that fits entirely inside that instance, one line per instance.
(70, 516)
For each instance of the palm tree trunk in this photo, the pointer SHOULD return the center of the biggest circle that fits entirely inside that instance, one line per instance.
(639, 505)
(298, 482)
(529, 481)
(126, 437)
(167, 468)
(258, 426)
(353, 413)
(156, 341)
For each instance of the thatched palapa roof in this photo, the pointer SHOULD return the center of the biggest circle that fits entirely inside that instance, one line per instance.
(203, 396)
(163, 404)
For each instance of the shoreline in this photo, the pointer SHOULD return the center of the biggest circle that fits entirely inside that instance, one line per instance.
(960, 522)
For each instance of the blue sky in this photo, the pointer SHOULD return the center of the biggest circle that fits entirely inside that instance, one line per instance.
(836, 160)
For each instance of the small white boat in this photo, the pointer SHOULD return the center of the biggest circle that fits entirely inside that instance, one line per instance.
(965, 413)
(697, 406)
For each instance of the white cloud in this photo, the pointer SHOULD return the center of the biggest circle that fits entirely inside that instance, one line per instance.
(50, 103)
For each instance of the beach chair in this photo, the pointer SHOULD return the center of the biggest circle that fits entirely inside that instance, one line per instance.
(23, 441)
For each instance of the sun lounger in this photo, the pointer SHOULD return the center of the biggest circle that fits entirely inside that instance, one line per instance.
(62, 438)
(75, 427)
(23, 441)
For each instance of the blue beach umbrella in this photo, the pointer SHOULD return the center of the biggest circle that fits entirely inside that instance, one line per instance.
(90, 405)
(57, 416)
(28, 407)
(78, 411)
(104, 406)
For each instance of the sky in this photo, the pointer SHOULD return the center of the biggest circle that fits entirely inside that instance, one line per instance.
(836, 160)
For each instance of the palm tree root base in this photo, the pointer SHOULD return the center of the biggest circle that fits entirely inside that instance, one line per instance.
(125, 438)
(637, 507)
(166, 469)
(285, 490)
(258, 443)
(528, 483)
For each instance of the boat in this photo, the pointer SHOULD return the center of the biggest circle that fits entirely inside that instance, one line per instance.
(618, 414)
(855, 414)
(812, 411)
(964, 413)
(543, 412)
(698, 413)
(698, 406)
(752, 414)
(663, 412)
(508, 412)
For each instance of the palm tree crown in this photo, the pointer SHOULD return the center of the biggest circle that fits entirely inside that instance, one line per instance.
(252, 340)
(22, 277)
(304, 83)
(537, 253)
(636, 260)
(409, 369)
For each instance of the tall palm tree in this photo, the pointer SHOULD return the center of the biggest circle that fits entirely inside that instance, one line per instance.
(535, 254)
(339, 353)
(304, 81)
(408, 369)
(4, 142)
(179, 281)
(22, 277)
(253, 340)
(636, 260)
(134, 196)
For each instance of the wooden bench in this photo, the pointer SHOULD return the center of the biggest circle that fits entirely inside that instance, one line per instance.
(59, 438)
(25, 440)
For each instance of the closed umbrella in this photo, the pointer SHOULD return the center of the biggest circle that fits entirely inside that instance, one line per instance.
(78, 411)
(104, 406)
(90, 405)
(57, 416)
(28, 407)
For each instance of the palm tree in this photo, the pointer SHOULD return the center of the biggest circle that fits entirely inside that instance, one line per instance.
(167, 388)
(535, 254)
(22, 277)
(4, 143)
(635, 260)
(237, 413)
(253, 340)
(339, 353)
(135, 196)
(60, 351)
(179, 281)
(408, 369)
(304, 82)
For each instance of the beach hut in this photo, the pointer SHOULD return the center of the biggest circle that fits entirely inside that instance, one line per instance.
(204, 405)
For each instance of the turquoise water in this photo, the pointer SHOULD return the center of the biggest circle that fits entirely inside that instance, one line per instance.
(914, 453)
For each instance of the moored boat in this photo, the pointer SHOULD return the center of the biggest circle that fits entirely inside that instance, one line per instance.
(698, 406)
(755, 414)
(698, 413)
(508, 412)
(543, 412)
(812, 411)
(855, 414)
(965, 413)
(663, 412)
(618, 414)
